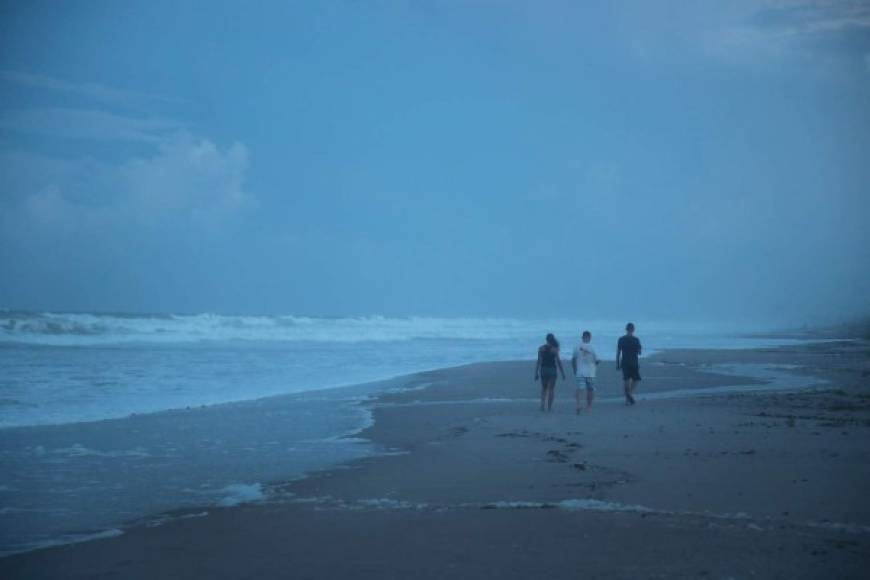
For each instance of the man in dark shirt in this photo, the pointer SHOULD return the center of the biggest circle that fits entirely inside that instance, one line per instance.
(627, 350)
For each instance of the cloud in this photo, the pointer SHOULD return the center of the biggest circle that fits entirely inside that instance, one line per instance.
(107, 119)
(780, 27)
(792, 18)
(188, 176)
(93, 91)
(87, 124)
(169, 178)
(49, 210)
(188, 182)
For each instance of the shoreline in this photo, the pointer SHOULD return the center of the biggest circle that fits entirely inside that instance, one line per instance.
(139, 397)
(383, 490)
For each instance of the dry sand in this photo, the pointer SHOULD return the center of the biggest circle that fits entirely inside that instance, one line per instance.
(481, 484)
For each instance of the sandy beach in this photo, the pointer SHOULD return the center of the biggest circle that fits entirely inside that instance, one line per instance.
(277, 276)
(734, 464)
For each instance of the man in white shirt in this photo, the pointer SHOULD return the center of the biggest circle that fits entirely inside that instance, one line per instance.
(584, 363)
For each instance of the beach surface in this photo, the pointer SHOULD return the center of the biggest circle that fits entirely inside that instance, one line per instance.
(733, 464)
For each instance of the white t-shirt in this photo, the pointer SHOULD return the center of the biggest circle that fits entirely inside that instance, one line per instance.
(586, 358)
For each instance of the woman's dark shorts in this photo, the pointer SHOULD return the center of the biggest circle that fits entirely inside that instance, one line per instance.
(630, 370)
(548, 373)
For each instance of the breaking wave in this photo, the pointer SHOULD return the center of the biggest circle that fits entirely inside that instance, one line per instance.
(94, 329)
(73, 329)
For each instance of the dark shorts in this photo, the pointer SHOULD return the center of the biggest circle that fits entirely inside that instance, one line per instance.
(548, 373)
(630, 370)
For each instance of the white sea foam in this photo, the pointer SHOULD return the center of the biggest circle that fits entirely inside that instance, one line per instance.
(840, 527)
(758, 524)
(84, 329)
(239, 493)
(601, 506)
(166, 518)
(311, 500)
(61, 541)
(444, 402)
(16, 510)
(390, 504)
(79, 450)
(517, 505)
(95, 329)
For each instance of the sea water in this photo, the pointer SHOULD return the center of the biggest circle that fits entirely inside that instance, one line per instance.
(63, 368)
(107, 419)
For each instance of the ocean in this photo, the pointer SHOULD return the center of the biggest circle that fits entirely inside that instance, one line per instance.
(108, 419)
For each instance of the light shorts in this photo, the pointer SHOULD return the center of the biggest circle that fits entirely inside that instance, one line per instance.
(585, 382)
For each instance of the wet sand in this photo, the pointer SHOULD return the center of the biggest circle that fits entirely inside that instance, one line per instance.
(480, 484)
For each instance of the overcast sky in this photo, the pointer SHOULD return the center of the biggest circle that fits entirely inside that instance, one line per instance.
(672, 160)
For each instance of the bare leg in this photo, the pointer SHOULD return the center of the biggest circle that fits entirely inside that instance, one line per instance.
(626, 387)
(577, 392)
(590, 394)
(551, 395)
(543, 393)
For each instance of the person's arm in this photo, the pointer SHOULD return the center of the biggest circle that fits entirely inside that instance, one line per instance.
(574, 363)
(639, 348)
(618, 353)
(559, 362)
(538, 366)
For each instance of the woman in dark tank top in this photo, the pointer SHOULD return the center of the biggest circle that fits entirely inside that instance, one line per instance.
(546, 369)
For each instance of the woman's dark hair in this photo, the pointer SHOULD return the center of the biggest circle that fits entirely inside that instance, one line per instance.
(551, 340)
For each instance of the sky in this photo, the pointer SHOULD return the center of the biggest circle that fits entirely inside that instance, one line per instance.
(692, 161)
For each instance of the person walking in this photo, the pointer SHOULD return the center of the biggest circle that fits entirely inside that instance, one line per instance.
(585, 362)
(545, 369)
(628, 350)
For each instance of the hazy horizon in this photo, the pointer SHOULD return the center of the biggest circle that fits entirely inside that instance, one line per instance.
(686, 161)
(647, 325)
